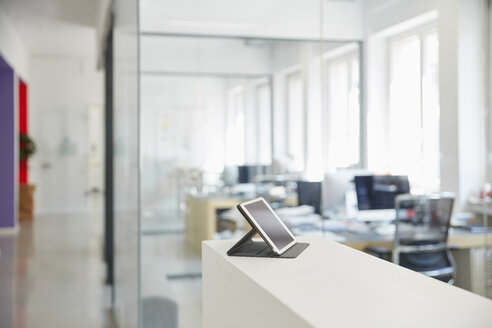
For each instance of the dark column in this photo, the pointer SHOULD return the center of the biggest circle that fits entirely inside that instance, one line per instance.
(108, 183)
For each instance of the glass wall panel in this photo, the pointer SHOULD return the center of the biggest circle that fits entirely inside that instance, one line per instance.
(232, 108)
(224, 119)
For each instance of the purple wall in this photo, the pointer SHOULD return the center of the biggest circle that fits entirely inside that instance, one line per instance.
(7, 144)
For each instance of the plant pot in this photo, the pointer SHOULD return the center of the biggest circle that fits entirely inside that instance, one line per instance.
(26, 202)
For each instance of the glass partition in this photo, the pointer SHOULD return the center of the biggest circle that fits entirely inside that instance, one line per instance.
(225, 119)
(235, 104)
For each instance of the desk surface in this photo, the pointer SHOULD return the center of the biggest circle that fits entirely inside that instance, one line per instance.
(360, 239)
(331, 285)
(201, 223)
(457, 238)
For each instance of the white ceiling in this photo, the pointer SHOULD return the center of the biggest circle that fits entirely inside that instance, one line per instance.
(56, 27)
(71, 27)
(190, 15)
(251, 11)
(281, 18)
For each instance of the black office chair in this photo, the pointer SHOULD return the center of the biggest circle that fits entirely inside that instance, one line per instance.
(309, 193)
(421, 233)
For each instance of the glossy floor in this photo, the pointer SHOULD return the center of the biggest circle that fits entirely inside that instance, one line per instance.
(52, 274)
(171, 273)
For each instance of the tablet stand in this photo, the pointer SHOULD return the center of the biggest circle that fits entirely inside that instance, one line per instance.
(249, 248)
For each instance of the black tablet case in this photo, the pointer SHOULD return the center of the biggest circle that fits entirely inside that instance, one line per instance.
(248, 248)
(261, 249)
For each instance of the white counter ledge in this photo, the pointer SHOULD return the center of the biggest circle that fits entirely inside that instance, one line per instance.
(329, 285)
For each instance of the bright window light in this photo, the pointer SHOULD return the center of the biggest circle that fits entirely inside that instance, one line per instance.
(295, 122)
(235, 134)
(342, 118)
(263, 117)
(413, 141)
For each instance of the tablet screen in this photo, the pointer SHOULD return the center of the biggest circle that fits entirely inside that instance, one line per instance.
(270, 224)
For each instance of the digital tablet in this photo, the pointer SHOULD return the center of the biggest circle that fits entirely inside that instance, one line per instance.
(262, 217)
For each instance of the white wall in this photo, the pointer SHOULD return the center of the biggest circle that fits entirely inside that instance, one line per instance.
(204, 55)
(489, 100)
(382, 14)
(182, 120)
(342, 20)
(61, 91)
(462, 29)
(13, 49)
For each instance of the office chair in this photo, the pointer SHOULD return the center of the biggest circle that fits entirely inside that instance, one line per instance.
(421, 233)
(309, 193)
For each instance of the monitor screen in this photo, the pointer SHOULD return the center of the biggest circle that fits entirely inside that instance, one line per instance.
(379, 191)
(309, 193)
(269, 223)
(248, 173)
(336, 185)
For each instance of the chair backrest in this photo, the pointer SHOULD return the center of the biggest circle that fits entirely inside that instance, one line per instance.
(309, 193)
(422, 220)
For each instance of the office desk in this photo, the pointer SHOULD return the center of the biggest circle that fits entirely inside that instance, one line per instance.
(353, 237)
(457, 238)
(479, 206)
(329, 285)
(201, 217)
(467, 249)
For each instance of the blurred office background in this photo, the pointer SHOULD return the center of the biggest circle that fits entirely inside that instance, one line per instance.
(153, 119)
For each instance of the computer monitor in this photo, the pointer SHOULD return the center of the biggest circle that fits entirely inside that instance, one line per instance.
(309, 193)
(379, 191)
(336, 185)
(248, 173)
(230, 175)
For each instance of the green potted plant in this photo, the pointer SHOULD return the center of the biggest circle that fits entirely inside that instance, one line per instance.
(27, 148)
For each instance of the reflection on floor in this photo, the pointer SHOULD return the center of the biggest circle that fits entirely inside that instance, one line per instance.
(171, 271)
(52, 274)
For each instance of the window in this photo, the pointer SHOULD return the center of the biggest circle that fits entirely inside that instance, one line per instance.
(413, 138)
(235, 135)
(295, 122)
(342, 132)
(263, 117)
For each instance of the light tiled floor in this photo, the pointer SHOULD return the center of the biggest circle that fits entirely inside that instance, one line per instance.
(52, 274)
